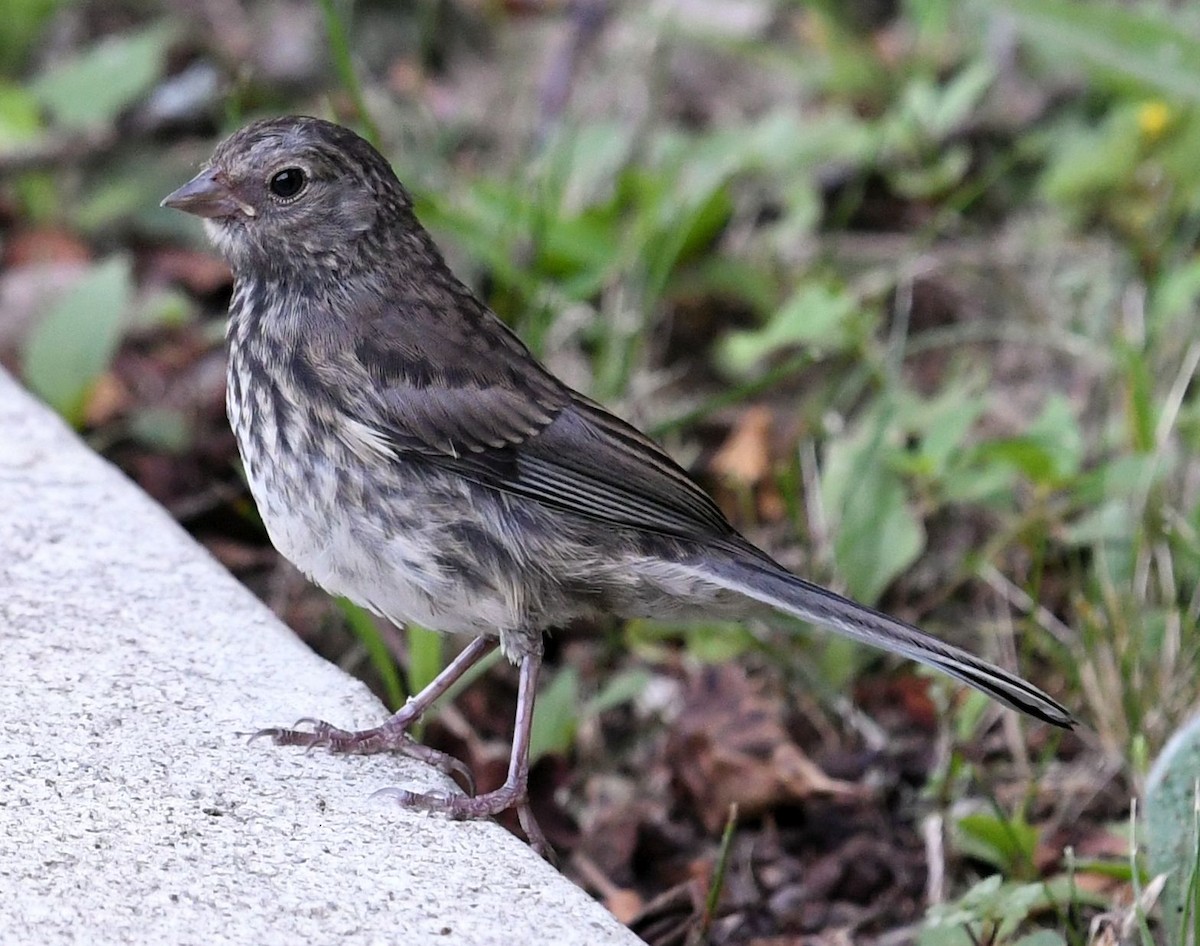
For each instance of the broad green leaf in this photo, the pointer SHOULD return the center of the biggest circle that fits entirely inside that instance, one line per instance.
(989, 484)
(93, 88)
(1007, 844)
(1051, 450)
(946, 422)
(999, 907)
(839, 661)
(75, 341)
(129, 191)
(686, 231)
(816, 315)
(1088, 163)
(560, 708)
(728, 278)
(556, 715)
(779, 141)
(425, 656)
(932, 110)
(960, 97)
(877, 534)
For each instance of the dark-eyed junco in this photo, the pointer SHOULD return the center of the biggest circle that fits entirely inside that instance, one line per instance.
(408, 452)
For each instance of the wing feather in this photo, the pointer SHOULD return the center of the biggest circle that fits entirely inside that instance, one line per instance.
(461, 391)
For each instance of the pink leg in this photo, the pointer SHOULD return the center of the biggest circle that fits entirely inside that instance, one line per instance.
(513, 793)
(392, 735)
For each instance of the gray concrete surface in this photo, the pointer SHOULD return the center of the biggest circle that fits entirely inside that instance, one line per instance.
(131, 811)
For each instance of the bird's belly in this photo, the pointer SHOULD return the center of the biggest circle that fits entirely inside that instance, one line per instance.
(382, 555)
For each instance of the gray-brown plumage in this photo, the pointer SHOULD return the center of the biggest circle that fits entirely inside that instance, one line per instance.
(407, 451)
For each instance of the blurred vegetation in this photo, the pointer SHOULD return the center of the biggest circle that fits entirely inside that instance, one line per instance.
(950, 246)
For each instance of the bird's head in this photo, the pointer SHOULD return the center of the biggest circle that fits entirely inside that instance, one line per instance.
(291, 191)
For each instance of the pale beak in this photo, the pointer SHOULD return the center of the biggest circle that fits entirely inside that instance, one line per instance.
(206, 195)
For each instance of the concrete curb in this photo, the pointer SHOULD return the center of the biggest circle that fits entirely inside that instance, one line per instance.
(130, 809)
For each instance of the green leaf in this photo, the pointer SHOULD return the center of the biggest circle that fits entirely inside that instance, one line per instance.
(879, 536)
(839, 662)
(425, 656)
(162, 428)
(1042, 938)
(992, 905)
(20, 122)
(816, 315)
(75, 341)
(1049, 453)
(933, 178)
(1141, 411)
(1121, 477)
(161, 307)
(129, 191)
(623, 688)
(938, 110)
(1135, 42)
(24, 21)
(1175, 297)
(560, 708)
(960, 97)
(945, 422)
(711, 642)
(877, 533)
(1105, 524)
(583, 164)
(683, 232)
(777, 142)
(1008, 844)
(555, 715)
(988, 484)
(1090, 163)
(364, 628)
(93, 88)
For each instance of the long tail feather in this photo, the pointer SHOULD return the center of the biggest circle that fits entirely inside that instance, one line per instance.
(786, 592)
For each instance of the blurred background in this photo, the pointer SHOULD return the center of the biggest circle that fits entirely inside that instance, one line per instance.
(910, 285)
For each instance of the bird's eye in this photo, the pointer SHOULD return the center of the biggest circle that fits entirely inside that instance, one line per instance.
(287, 183)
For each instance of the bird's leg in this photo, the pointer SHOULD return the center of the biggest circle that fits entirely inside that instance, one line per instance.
(392, 735)
(513, 793)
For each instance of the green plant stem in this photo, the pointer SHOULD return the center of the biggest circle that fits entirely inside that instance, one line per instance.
(339, 46)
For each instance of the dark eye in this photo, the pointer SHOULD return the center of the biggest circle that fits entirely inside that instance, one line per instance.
(287, 183)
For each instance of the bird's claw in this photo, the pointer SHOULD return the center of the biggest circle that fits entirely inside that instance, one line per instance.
(322, 735)
(480, 806)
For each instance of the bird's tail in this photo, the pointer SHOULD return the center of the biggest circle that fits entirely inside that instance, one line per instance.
(772, 585)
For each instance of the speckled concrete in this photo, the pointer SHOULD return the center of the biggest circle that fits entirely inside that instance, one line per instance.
(132, 811)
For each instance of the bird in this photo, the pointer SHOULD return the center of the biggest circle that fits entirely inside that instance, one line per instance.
(407, 451)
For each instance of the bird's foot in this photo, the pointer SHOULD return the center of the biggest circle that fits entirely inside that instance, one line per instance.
(390, 737)
(479, 806)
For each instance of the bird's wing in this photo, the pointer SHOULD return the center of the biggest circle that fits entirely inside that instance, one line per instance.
(466, 394)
